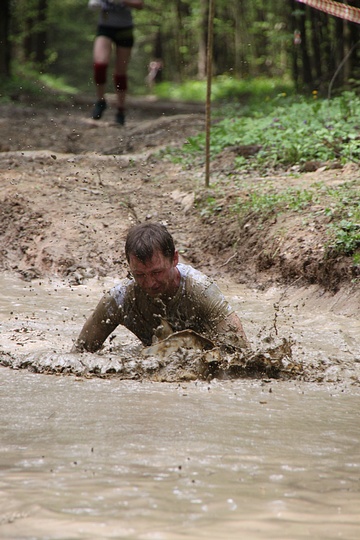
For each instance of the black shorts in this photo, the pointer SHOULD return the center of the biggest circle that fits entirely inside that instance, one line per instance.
(122, 37)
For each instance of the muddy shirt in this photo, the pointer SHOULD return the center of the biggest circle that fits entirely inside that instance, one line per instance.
(114, 14)
(197, 305)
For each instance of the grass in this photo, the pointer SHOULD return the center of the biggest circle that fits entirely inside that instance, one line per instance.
(225, 89)
(288, 131)
(341, 207)
(338, 208)
(344, 214)
(27, 81)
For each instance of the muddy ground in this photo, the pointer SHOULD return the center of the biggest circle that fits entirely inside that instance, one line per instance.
(71, 186)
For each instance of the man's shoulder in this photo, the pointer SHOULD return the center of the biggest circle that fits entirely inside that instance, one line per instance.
(122, 290)
(193, 276)
(203, 292)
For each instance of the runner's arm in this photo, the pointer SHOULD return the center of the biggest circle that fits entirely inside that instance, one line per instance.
(98, 326)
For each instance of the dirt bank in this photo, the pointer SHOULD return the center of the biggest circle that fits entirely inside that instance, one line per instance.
(71, 187)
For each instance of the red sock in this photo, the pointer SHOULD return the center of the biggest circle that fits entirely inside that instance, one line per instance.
(100, 73)
(120, 82)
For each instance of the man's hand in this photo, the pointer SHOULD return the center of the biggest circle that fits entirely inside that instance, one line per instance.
(231, 332)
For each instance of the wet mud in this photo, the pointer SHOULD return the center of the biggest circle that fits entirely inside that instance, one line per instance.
(183, 363)
(71, 187)
(40, 321)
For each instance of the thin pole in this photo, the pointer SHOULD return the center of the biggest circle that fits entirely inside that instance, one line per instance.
(208, 90)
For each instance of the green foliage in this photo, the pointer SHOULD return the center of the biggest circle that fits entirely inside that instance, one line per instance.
(251, 91)
(341, 208)
(27, 81)
(346, 237)
(291, 130)
(297, 130)
(188, 91)
(10, 88)
(344, 213)
(267, 203)
(356, 259)
(226, 89)
(210, 207)
(72, 46)
(252, 39)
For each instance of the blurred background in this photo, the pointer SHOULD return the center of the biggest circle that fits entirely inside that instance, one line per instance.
(279, 41)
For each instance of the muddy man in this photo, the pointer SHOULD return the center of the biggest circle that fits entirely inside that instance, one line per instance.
(162, 296)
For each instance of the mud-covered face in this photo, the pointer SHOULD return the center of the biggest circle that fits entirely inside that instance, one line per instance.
(156, 276)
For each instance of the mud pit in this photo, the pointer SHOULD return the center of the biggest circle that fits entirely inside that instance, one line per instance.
(71, 187)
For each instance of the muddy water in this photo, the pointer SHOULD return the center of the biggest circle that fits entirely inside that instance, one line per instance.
(92, 458)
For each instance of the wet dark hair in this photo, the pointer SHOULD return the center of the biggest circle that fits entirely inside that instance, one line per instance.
(142, 240)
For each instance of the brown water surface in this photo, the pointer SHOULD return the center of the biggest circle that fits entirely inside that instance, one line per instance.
(91, 458)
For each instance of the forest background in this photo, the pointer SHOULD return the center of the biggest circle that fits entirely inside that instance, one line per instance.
(276, 39)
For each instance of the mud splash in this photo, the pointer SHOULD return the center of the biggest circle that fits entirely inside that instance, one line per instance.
(40, 321)
(184, 362)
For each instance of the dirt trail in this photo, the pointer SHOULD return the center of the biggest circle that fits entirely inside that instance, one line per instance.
(71, 186)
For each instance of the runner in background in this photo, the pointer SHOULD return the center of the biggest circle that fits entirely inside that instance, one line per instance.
(115, 29)
(155, 67)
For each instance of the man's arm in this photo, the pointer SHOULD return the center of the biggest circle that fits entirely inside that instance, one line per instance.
(232, 332)
(98, 326)
(224, 323)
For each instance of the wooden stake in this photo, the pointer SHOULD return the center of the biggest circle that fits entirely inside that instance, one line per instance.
(208, 89)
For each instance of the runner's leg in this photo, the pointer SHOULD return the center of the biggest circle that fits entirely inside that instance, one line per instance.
(123, 55)
(101, 58)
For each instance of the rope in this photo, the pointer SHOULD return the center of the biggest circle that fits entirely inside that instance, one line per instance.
(337, 9)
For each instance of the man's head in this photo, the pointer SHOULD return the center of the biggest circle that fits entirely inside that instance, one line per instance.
(151, 254)
(142, 240)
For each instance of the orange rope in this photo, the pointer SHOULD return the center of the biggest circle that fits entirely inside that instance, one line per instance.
(337, 9)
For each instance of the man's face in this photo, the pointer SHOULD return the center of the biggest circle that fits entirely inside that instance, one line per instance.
(156, 276)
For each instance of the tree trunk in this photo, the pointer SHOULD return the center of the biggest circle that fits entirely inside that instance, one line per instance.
(261, 44)
(338, 53)
(316, 45)
(35, 40)
(306, 63)
(28, 39)
(41, 34)
(5, 49)
(203, 40)
(295, 44)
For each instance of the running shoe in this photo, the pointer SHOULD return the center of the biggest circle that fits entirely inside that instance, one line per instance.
(99, 108)
(120, 118)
